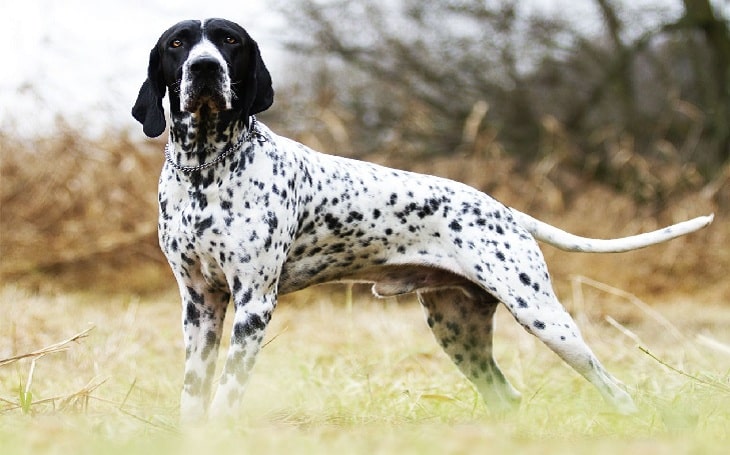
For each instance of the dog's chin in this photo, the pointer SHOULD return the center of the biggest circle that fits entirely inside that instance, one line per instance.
(206, 101)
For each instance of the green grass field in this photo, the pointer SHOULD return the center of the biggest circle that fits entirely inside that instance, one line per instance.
(358, 376)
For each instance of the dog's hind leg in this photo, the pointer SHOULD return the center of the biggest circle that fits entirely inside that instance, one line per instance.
(462, 322)
(552, 324)
(527, 293)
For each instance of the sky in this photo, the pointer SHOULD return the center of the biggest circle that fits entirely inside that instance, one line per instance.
(83, 61)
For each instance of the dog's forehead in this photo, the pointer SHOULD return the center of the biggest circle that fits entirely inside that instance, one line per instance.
(216, 24)
(203, 27)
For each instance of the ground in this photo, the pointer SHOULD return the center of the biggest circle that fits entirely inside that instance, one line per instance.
(358, 375)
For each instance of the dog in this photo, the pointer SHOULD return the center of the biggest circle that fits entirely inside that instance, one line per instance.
(247, 215)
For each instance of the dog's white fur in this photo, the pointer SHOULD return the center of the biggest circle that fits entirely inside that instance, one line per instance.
(264, 215)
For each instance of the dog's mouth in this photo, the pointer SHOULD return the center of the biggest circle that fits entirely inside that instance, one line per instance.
(205, 95)
(208, 90)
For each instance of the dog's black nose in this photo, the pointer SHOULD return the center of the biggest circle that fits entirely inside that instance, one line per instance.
(204, 66)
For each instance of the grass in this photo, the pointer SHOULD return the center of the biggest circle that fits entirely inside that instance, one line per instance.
(356, 377)
(352, 376)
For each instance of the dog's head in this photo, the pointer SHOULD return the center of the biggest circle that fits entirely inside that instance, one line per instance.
(206, 66)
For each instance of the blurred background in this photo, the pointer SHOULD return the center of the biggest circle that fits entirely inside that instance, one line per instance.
(604, 117)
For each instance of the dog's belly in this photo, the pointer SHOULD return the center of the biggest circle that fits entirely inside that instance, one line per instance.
(387, 280)
(393, 268)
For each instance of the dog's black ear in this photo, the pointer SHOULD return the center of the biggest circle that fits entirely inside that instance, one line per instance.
(148, 108)
(259, 92)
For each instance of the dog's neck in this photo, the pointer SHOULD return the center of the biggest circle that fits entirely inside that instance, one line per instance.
(198, 138)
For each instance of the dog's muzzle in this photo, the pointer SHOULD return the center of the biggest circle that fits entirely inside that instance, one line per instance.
(205, 82)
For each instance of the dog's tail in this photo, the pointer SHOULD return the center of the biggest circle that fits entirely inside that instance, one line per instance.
(569, 242)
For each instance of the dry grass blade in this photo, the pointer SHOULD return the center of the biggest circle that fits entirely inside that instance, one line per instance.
(78, 399)
(276, 335)
(713, 344)
(714, 384)
(631, 298)
(57, 347)
(160, 426)
(129, 392)
(623, 329)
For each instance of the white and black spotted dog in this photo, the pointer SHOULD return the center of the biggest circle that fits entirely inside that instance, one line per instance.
(248, 215)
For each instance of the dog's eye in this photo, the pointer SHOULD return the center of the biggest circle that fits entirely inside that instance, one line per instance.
(230, 40)
(176, 43)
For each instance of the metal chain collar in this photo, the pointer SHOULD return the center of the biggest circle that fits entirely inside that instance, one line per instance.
(221, 156)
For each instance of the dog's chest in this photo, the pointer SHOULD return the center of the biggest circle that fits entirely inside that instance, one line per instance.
(191, 224)
(227, 220)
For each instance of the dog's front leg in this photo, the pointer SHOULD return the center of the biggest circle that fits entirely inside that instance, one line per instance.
(253, 313)
(203, 313)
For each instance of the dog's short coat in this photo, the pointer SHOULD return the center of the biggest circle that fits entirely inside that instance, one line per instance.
(248, 215)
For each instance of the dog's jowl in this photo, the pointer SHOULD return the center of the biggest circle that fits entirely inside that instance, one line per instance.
(246, 215)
